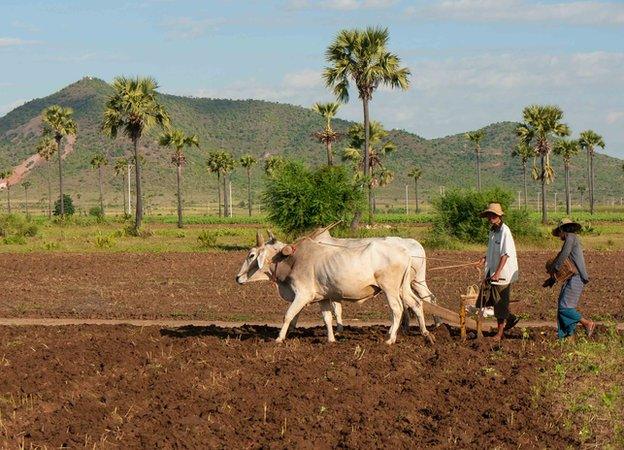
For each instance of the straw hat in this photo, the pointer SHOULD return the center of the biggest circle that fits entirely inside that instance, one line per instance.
(568, 226)
(494, 208)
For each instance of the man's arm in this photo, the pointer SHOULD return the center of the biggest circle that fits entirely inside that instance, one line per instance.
(501, 264)
(563, 254)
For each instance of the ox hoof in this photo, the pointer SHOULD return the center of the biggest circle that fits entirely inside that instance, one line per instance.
(279, 340)
(390, 341)
(331, 341)
(339, 328)
(430, 338)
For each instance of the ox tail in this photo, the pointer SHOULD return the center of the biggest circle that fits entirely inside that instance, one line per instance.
(408, 297)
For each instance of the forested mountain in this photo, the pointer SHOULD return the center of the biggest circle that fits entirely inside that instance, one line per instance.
(262, 128)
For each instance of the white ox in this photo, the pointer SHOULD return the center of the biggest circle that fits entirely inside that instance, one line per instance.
(418, 267)
(319, 272)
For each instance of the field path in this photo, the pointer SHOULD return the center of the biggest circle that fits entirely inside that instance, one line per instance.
(14, 321)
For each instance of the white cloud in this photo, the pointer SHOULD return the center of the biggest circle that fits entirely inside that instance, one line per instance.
(343, 5)
(188, 27)
(11, 106)
(572, 12)
(303, 80)
(12, 42)
(615, 116)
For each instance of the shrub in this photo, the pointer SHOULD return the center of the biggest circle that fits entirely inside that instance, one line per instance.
(207, 239)
(298, 198)
(102, 241)
(68, 204)
(457, 216)
(14, 229)
(96, 211)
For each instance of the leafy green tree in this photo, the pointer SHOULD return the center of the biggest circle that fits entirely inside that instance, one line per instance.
(476, 137)
(68, 205)
(328, 136)
(122, 167)
(541, 124)
(247, 162)
(567, 149)
(6, 175)
(177, 140)
(524, 152)
(26, 185)
(272, 164)
(362, 57)
(379, 147)
(298, 198)
(588, 141)
(98, 162)
(415, 173)
(134, 108)
(46, 148)
(58, 123)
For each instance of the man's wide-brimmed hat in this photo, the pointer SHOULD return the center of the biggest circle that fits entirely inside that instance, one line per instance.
(567, 226)
(493, 208)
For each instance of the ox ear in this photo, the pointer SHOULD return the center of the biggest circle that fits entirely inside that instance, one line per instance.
(261, 258)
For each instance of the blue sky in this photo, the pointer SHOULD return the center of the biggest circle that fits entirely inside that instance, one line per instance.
(473, 62)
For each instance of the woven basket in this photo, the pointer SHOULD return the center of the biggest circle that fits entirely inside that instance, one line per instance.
(567, 270)
(471, 295)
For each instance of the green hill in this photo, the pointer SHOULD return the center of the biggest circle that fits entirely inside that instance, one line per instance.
(261, 128)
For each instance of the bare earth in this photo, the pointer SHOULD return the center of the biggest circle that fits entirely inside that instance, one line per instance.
(202, 286)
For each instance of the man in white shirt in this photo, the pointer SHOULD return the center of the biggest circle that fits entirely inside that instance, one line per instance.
(501, 268)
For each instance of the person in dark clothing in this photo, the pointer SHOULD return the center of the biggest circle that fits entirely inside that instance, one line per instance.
(567, 315)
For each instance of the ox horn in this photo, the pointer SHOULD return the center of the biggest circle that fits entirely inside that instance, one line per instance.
(271, 236)
(259, 239)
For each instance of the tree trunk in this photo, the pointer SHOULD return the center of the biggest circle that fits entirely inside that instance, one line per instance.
(416, 193)
(367, 160)
(526, 192)
(26, 191)
(588, 177)
(544, 211)
(49, 193)
(355, 222)
(178, 179)
(101, 190)
(60, 159)
(249, 190)
(138, 219)
(567, 188)
(478, 168)
(219, 192)
(591, 182)
(123, 193)
(226, 197)
(8, 197)
(129, 193)
(330, 161)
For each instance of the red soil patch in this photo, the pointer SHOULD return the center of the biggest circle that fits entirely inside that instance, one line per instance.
(202, 286)
(213, 387)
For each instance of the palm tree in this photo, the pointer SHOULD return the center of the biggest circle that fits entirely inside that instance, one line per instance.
(177, 140)
(134, 108)
(524, 152)
(247, 161)
(588, 141)
(5, 176)
(272, 164)
(328, 136)
(567, 149)
(542, 123)
(214, 166)
(46, 148)
(362, 56)
(26, 185)
(415, 173)
(476, 137)
(122, 167)
(98, 162)
(379, 146)
(58, 123)
(228, 163)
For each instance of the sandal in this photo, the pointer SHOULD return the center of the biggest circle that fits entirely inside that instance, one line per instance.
(590, 329)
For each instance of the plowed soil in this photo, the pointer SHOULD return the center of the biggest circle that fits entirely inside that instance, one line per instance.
(202, 286)
(129, 387)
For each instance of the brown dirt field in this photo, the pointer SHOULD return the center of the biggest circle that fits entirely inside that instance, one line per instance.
(201, 286)
(131, 387)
